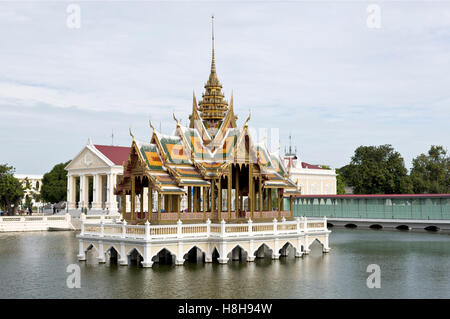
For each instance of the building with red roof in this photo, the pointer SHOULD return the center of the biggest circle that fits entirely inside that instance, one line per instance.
(94, 172)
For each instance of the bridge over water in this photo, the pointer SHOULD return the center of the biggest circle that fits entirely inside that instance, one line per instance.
(401, 211)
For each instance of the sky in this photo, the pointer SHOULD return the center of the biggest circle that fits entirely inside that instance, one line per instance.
(314, 70)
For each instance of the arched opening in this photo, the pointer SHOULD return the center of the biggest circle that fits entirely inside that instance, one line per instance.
(112, 255)
(135, 258)
(263, 252)
(91, 254)
(164, 257)
(432, 228)
(215, 255)
(351, 226)
(288, 250)
(376, 226)
(315, 247)
(403, 227)
(330, 225)
(195, 255)
(238, 254)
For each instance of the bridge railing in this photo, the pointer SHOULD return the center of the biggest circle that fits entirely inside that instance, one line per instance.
(203, 230)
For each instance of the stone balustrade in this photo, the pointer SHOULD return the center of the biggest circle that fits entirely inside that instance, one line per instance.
(34, 223)
(204, 230)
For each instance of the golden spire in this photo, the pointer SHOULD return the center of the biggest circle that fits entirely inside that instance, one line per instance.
(213, 62)
(213, 80)
(213, 106)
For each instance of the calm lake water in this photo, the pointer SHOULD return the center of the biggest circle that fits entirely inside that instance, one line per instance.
(413, 265)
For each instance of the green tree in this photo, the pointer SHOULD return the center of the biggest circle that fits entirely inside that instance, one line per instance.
(11, 190)
(54, 184)
(431, 173)
(340, 184)
(377, 170)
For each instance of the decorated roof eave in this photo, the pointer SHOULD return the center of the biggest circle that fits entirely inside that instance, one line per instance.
(251, 146)
(280, 162)
(197, 121)
(126, 164)
(229, 118)
(186, 144)
(155, 140)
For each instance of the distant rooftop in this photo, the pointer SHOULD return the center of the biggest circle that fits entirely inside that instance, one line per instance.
(30, 176)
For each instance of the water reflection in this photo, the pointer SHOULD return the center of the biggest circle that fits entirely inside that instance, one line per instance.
(413, 265)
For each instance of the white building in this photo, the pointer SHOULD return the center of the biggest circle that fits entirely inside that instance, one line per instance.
(94, 172)
(311, 179)
(35, 183)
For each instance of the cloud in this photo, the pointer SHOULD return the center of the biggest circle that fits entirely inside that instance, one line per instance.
(310, 69)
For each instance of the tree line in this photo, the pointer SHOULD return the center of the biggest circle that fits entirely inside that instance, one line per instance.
(372, 170)
(12, 190)
(381, 170)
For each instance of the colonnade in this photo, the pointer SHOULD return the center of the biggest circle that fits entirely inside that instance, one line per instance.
(102, 191)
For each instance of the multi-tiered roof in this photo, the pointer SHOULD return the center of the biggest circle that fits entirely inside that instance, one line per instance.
(195, 155)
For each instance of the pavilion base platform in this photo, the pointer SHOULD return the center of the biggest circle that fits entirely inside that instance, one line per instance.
(220, 242)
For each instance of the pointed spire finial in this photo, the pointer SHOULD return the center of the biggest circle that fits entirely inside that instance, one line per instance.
(213, 62)
(131, 133)
(248, 118)
(290, 143)
(178, 123)
(194, 101)
(150, 122)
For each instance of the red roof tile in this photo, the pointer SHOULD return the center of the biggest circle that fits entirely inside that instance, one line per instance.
(116, 154)
(306, 165)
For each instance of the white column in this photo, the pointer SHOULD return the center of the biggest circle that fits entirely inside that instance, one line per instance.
(71, 187)
(123, 257)
(81, 202)
(223, 259)
(112, 199)
(306, 245)
(275, 253)
(101, 253)
(250, 256)
(326, 248)
(96, 191)
(299, 253)
(145, 202)
(128, 203)
(147, 262)
(81, 254)
(179, 261)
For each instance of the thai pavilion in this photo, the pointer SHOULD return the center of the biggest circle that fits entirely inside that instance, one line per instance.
(234, 188)
(223, 172)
